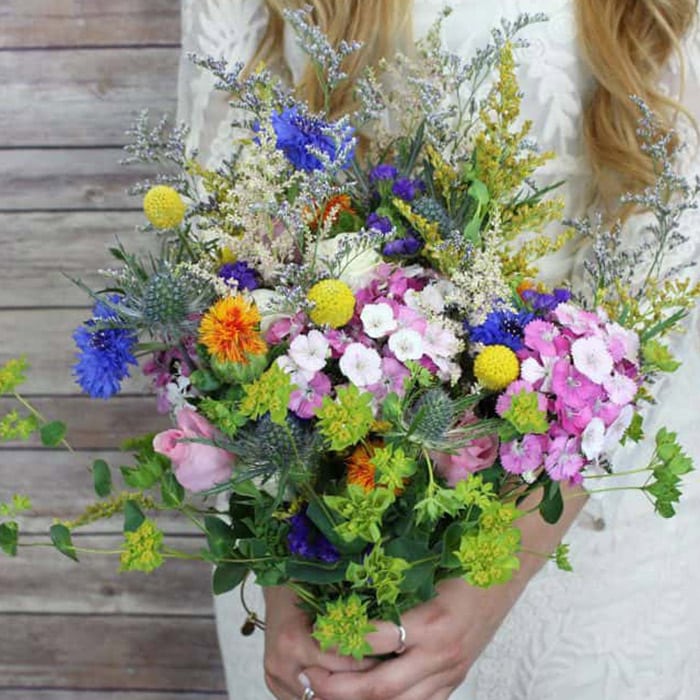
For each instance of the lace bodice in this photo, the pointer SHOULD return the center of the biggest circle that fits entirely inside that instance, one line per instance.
(625, 624)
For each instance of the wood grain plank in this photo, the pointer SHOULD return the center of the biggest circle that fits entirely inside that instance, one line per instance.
(42, 580)
(36, 179)
(37, 251)
(96, 694)
(60, 486)
(33, 331)
(96, 424)
(88, 22)
(142, 652)
(82, 96)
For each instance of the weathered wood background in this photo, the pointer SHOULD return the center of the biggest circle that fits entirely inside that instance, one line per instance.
(73, 74)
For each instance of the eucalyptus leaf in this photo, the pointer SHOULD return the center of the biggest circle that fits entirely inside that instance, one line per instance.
(101, 478)
(61, 538)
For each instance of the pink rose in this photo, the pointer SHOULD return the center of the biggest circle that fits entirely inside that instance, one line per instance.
(198, 467)
(479, 453)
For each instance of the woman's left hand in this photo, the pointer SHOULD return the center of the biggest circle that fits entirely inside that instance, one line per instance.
(444, 637)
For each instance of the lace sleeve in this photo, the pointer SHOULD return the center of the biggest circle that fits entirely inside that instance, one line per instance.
(228, 29)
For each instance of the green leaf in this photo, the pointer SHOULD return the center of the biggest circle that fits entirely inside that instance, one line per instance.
(204, 381)
(61, 538)
(171, 490)
(219, 536)
(658, 356)
(101, 478)
(479, 192)
(227, 577)
(552, 505)
(320, 518)
(450, 544)
(52, 433)
(150, 467)
(316, 572)
(133, 516)
(9, 533)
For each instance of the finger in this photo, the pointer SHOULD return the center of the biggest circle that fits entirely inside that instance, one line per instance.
(386, 680)
(337, 663)
(387, 637)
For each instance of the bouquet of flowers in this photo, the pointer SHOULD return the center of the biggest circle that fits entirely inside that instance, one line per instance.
(352, 345)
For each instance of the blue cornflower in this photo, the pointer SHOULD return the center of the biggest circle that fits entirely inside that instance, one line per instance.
(542, 303)
(501, 327)
(383, 171)
(297, 132)
(379, 223)
(307, 541)
(409, 245)
(407, 189)
(105, 355)
(242, 274)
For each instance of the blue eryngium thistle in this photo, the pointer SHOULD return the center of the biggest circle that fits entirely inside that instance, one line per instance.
(104, 354)
(303, 138)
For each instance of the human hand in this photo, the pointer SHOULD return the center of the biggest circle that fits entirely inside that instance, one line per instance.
(289, 646)
(444, 637)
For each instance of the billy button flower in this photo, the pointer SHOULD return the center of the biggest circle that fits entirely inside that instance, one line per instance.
(163, 207)
(334, 303)
(496, 366)
(229, 330)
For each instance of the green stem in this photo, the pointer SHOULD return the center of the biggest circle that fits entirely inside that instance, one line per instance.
(40, 417)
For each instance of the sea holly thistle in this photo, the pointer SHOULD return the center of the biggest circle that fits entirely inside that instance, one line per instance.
(363, 512)
(380, 572)
(344, 625)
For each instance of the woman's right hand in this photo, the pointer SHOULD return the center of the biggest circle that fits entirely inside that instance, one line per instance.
(290, 648)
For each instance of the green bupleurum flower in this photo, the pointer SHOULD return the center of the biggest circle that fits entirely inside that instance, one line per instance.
(143, 548)
(362, 510)
(344, 625)
(381, 572)
(348, 419)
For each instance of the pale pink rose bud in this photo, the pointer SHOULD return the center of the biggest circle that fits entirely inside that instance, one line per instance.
(197, 467)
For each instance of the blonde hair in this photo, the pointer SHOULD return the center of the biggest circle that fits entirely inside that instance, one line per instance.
(626, 42)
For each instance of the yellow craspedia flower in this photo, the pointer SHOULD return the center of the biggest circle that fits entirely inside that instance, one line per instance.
(496, 366)
(334, 303)
(163, 206)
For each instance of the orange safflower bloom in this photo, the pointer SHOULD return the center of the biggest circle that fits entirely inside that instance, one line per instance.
(229, 330)
(360, 468)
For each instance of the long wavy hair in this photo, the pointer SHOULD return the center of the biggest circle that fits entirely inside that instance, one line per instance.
(627, 44)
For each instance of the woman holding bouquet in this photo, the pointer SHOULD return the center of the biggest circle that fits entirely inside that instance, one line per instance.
(624, 625)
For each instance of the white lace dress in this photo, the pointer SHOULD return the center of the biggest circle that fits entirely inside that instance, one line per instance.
(626, 624)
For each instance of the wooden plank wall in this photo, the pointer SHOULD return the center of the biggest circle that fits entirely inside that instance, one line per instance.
(73, 73)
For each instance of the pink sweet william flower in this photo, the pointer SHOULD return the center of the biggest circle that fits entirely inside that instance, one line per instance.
(564, 459)
(197, 467)
(305, 400)
(524, 455)
(479, 453)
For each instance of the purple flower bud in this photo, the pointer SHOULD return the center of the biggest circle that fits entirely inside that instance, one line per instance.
(378, 223)
(383, 171)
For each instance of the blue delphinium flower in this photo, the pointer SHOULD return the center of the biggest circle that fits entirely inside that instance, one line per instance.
(307, 541)
(297, 132)
(383, 171)
(104, 354)
(379, 223)
(542, 303)
(240, 273)
(501, 327)
(409, 245)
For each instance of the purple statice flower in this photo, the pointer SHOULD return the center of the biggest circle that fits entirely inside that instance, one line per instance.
(296, 133)
(501, 327)
(239, 274)
(104, 353)
(383, 171)
(407, 189)
(379, 223)
(409, 245)
(307, 541)
(543, 303)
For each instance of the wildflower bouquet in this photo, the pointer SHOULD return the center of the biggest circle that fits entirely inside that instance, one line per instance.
(352, 348)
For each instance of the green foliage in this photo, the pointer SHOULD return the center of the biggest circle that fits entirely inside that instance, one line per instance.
(19, 504)
(13, 374)
(552, 504)
(382, 573)
(14, 426)
(150, 466)
(658, 358)
(133, 516)
(9, 534)
(561, 557)
(348, 419)
(668, 465)
(223, 414)
(53, 433)
(220, 537)
(227, 576)
(344, 625)
(101, 478)
(393, 467)
(61, 538)
(363, 512)
(268, 394)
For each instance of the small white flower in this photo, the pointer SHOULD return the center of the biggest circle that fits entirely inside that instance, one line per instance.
(378, 320)
(618, 427)
(621, 389)
(406, 344)
(592, 359)
(532, 371)
(593, 439)
(299, 378)
(361, 365)
(440, 342)
(309, 352)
